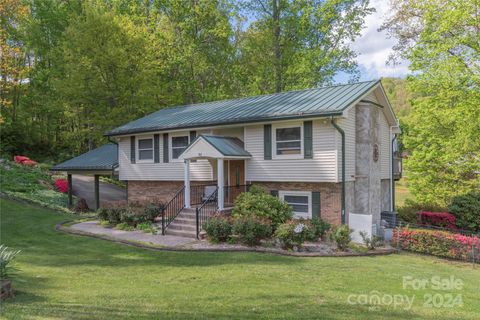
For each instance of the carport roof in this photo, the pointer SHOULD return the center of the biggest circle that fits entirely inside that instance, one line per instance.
(103, 158)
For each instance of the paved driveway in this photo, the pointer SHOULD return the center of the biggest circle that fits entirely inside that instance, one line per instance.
(83, 187)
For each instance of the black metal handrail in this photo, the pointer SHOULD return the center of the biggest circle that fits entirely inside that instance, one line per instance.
(203, 212)
(171, 210)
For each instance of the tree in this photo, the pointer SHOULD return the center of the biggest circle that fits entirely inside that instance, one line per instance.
(440, 38)
(299, 44)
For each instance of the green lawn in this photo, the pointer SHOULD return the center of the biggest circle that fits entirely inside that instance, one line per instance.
(73, 277)
(402, 193)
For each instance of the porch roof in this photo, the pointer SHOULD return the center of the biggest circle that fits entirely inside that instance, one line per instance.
(104, 158)
(211, 146)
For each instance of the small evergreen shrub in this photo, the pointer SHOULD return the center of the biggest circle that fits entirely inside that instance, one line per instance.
(218, 228)
(293, 233)
(341, 236)
(319, 229)
(466, 209)
(261, 204)
(409, 211)
(370, 242)
(251, 229)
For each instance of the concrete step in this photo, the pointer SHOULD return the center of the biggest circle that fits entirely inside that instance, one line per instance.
(183, 220)
(179, 226)
(181, 233)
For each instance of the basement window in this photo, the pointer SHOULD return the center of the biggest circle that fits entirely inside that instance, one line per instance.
(145, 149)
(300, 201)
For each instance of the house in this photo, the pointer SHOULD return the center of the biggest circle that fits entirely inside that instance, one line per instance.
(326, 151)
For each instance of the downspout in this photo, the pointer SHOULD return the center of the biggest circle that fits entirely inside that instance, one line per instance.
(342, 133)
(392, 177)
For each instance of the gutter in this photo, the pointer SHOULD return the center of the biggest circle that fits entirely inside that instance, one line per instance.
(392, 176)
(342, 133)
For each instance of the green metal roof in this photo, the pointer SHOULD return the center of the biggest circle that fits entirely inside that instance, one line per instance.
(100, 159)
(228, 146)
(326, 101)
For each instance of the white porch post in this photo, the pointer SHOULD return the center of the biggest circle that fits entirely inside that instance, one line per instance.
(220, 180)
(187, 183)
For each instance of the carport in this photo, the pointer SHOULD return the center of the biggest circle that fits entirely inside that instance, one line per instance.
(98, 162)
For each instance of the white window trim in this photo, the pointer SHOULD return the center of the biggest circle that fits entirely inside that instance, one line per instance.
(137, 151)
(170, 144)
(308, 194)
(274, 140)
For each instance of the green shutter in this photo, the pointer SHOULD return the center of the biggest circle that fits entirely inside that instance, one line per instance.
(165, 148)
(132, 149)
(274, 193)
(267, 142)
(193, 135)
(315, 204)
(307, 140)
(156, 148)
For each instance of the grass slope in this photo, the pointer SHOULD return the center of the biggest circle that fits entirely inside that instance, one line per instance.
(73, 277)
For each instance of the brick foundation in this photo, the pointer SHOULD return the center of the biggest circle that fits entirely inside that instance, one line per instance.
(330, 196)
(156, 191)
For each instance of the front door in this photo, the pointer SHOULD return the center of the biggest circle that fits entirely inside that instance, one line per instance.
(236, 180)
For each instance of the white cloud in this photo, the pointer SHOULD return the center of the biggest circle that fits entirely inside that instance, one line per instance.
(374, 47)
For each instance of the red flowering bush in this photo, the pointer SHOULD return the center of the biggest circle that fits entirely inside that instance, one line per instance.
(61, 185)
(437, 243)
(437, 219)
(26, 161)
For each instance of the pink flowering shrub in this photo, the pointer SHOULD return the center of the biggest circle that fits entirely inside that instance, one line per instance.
(61, 185)
(437, 219)
(26, 161)
(437, 243)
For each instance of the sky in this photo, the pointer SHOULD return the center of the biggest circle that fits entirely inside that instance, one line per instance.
(374, 47)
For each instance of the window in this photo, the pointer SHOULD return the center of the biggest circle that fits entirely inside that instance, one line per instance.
(300, 201)
(288, 141)
(179, 144)
(145, 149)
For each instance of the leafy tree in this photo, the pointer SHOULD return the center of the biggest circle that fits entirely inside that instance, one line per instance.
(299, 44)
(440, 39)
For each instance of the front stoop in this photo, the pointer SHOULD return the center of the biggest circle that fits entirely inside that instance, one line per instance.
(184, 224)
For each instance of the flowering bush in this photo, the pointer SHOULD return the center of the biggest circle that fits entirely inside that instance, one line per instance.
(437, 219)
(437, 243)
(218, 228)
(257, 202)
(294, 233)
(251, 229)
(26, 161)
(61, 185)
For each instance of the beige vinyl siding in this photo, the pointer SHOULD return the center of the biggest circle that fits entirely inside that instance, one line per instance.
(322, 168)
(348, 125)
(200, 170)
(384, 147)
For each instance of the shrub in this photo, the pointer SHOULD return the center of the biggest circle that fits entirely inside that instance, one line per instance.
(61, 185)
(114, 215)
(81, 205)
(466, 209)
(132, 214)
(146, 227)
(124, 226)
(437, 243)
(250, 229)
(370, 242)
(257, 202)
(293, 233)
(218, 228)
(104, 223)
(6, 257)
(437, 219)
(408, 212)
(341, 236)
(319, 228)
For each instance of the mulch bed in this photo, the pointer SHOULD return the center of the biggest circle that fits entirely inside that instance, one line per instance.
(311, 250)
